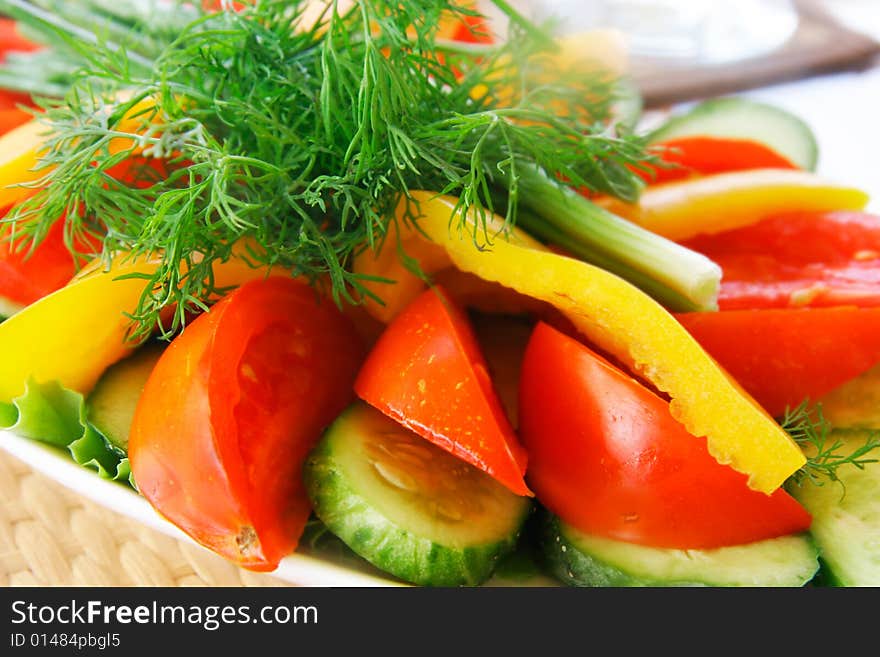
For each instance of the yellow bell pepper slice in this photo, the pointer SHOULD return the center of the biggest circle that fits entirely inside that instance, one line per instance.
(72, 335)
(712, 204)
(620, 319)
(401, 284)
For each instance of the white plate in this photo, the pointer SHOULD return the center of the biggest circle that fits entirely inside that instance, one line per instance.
(848, 151)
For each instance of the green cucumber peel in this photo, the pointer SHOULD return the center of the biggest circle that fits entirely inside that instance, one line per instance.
(54, 415)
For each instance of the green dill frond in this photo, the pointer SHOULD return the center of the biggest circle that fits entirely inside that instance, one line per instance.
(823, 446)
(302, 139)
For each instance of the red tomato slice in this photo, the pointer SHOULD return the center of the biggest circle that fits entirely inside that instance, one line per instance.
(784, 356)
(26, 277)
(11, 117)
(606, 455)
(427, 372)
(703, 155)
(798, 260)
(231, 410)
(11, 40)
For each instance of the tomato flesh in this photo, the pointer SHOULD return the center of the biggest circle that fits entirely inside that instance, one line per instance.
(606, 455)
(785, 356)
(427, 372)
(231, 410)
(11, 40)
(815, 259)
(27, 275)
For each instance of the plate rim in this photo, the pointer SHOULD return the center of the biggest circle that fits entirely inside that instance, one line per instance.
(297, 569)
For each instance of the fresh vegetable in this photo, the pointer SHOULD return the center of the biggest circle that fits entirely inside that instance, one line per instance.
(427, 372)
(231, 410)
(11, 39)
(721, 202)
(606, 455)
(323, 175)
(26, 172)
(112, 402)
(746, 119)
(12, 114)
(26, 275)
(798, 259)
(798, 304)
(686, 157)
(785, 356)
(854, 404)
(627, 324)
(315, 171)
(54, 415)
(12, 103)
(808, 426)
(581, 559)
(42, 62)
(72, 335)
(409, 507)
(19, 149)
(845, 525)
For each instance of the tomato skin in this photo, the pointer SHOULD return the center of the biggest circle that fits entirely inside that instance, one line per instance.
(704, 155)
(10, 114)
(11, 117)
(427, 372)
(787, 355)
(11, 40)
(799, 301)
(231, 410)
(606, 455)
(810, 259)
(27, 276)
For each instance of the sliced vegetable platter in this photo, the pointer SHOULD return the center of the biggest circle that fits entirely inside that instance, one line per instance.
(381, 295)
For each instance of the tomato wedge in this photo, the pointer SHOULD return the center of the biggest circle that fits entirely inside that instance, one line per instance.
(785, 356)
(231, 410)
(427, 372)
(807, 259)
(11, 40)
(10, 114)
(606, 455)
(705, 155)
(26, 276)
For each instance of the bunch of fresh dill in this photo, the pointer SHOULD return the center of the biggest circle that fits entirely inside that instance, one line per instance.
(300, 136)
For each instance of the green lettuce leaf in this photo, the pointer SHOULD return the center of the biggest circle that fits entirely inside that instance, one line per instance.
(52, 414)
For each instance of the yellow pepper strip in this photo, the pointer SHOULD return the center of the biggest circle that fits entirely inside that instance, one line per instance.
(402, 285)
(21, 150)
(719, 202)
(72, 335)
(622, 320)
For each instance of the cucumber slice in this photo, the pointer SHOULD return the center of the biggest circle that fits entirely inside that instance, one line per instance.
(846, 520)
(407, 506)
(742, 118)
(580, 559)
(856, 403)
(112, 401)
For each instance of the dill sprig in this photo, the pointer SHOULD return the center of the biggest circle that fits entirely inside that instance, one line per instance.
(809, 428)
(301, 138)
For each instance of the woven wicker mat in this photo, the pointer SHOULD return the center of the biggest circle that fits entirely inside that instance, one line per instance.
(49, 536)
